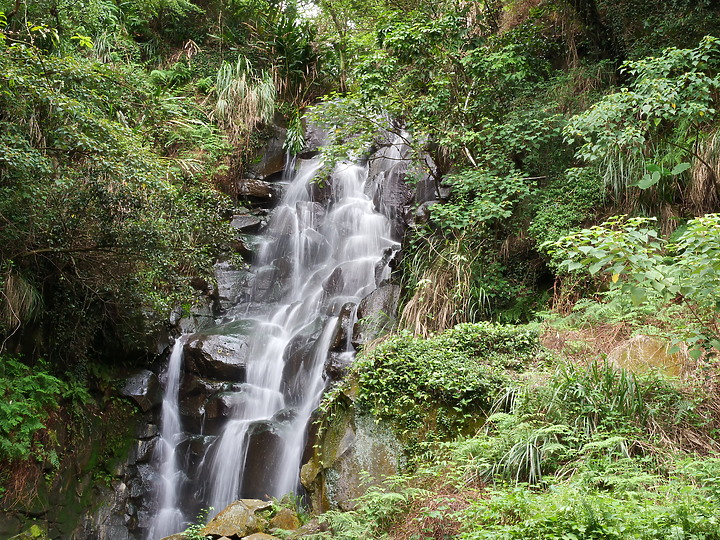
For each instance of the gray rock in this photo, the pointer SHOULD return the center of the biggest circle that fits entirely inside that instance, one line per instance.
(272, 154)
(143, 387)
(334, 284)
(253, 188)
(376, 314)
(263, 458)
(246, 223)
(337, 364)
(231, 283)
(217, 356)
(147, 430)
(344, 329)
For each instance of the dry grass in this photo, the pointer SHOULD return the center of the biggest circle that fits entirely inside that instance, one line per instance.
(438, 516)
(702, 193)
(447, 293)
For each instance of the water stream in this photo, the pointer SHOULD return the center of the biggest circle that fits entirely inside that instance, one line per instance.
(316, 261)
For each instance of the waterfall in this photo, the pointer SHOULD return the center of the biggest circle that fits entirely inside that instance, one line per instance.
(319, 256)
(169, 518)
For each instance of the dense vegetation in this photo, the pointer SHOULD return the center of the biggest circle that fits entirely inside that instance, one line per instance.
(579, 142)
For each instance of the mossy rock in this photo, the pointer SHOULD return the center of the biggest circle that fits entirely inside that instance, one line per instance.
(35, 532)
(641, 354)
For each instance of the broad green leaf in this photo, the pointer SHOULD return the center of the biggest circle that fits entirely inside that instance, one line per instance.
(648, 180)
(680, 168)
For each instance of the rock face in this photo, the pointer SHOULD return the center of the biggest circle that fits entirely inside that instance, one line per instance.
(217, 356)
(351, 445)
(376, 314)
(271, 157)
(260, 190)
(643, 353)
(143, 388)
(240, 519)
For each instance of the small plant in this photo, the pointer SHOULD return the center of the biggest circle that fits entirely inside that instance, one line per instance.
(195, 530)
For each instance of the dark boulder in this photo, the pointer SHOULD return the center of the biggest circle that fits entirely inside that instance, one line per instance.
(376, 314)
(143, 387)
(216, 356)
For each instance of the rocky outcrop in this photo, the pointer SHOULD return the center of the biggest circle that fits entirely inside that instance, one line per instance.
(217, 356)
(144, 389)
(240, 519)
(271, 157)
(376, 314)
(350, 446)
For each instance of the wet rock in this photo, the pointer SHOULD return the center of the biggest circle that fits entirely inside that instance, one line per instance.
(260, 190)
(334, 283)
(298, 354)
(321, 190)
(387, 172)
(147, 430)
(239, 519)
(246, 223)
(316, 246)
(387, 259)
(217, 356)
(285, 519)
(231, 283)
(144, 450)
(376, 314)
(263, 458)
(337, 365)
(643, 353)
(344, 328)
(143, 387)
(272, 154)
(265, 278)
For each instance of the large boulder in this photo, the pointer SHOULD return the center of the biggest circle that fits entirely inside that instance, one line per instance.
(376, 314)
(217, 356)
(240, 519)
(271, 157)
(259, 190)
(143, 388)
(263, 458)
(643, 353)
(286, 520)
(246, 223)
(351, 446)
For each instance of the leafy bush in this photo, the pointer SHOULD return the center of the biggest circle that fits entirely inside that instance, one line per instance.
(644, 265)
(437, 388)
(26, 397)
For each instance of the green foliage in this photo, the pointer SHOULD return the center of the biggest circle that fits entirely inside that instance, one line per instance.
(440, 387)
(101, 219)
(566, 204)
(571, 513)
(27, 395)
(376, 510)
(480, 199)
(194, 531)
(645, 135)
(643, 265)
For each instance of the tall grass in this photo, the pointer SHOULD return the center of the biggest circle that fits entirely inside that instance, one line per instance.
(246, 99)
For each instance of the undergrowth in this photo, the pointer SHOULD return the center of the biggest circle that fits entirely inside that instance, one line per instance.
(570, 450)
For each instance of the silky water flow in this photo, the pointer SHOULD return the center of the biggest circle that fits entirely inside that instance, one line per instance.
(324, 258)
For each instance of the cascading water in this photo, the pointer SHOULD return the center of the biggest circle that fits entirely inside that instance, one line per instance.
(169, 518)
(315, 263)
